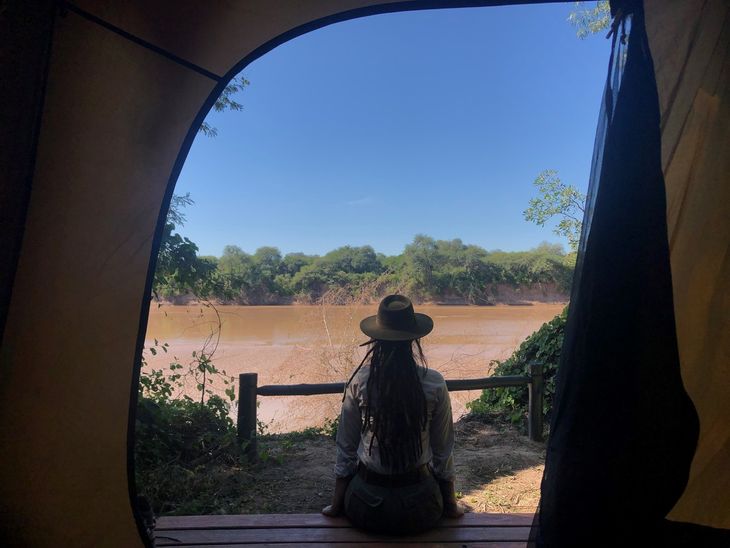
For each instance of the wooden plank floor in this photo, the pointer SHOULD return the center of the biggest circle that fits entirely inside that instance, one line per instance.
(288, 530)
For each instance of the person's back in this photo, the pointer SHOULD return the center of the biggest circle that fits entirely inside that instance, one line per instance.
(395, 437)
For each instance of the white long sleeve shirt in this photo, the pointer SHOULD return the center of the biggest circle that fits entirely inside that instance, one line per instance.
(437, 440)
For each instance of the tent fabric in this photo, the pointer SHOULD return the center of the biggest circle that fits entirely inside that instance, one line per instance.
(117, 122)
(624, 430)
(690, 43)
(24, 50)
(72, 327)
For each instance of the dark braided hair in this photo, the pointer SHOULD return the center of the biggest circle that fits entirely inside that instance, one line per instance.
(396, 411)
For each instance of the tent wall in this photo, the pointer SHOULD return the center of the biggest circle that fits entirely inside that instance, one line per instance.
(110, 134)
(25, 40)
(118, 120)
(117, 116)
(690, 42)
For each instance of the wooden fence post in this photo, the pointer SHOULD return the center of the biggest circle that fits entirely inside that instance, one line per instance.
(247, 386)
(534, 420)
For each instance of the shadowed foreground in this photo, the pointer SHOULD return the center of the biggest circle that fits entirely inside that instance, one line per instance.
(498, 470)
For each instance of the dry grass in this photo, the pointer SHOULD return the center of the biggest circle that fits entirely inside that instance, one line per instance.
(497, 469)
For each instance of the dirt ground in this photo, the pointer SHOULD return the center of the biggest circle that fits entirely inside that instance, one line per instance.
(497, 470)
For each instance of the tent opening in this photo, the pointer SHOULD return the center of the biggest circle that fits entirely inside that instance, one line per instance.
(388, 154)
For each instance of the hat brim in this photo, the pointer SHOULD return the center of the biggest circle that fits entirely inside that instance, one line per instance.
(369, 326)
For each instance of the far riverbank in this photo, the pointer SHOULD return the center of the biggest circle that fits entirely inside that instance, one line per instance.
(497, 294)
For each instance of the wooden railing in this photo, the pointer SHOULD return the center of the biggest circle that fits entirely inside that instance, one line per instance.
(248, 391)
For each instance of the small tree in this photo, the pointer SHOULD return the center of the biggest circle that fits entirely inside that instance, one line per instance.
(556, 199)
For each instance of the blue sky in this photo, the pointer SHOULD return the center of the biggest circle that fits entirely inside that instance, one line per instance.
(373, 130)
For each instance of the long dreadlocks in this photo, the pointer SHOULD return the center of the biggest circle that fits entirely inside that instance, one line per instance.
(396, 412)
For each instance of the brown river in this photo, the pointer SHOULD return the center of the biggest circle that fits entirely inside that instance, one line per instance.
(312, 344)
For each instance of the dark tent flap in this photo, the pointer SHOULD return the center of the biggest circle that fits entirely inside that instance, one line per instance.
(623, 430)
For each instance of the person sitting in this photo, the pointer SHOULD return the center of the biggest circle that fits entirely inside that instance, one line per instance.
(395, 439)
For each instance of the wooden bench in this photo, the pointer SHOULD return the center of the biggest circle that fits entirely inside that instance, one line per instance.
(473, 530)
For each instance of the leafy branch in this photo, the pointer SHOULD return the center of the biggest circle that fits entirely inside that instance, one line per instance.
(226, 101)
(589, 21)
(556, 199)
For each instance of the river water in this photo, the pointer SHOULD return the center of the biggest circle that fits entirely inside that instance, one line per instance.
(303, 344)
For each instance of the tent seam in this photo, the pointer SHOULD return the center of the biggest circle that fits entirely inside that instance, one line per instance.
(140, 41)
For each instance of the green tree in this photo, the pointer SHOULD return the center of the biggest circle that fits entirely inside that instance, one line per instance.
(473, 275)
(266, 283)
(294, 262)
(422, 264)
(546, 248)
(226, 101)
(234, 260)
(557, 200)
(268, 259)
(179, 269)
(589, 21)
(351, 260)
(235, 269)
(175, 214)
(310, 280)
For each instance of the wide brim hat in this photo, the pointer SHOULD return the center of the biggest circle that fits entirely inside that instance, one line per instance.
(396, 321)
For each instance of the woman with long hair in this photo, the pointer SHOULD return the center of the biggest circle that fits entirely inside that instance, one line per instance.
(395, 439)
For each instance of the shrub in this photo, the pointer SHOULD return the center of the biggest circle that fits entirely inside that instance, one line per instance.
(182, 431)
(176, 442)
(511, 404)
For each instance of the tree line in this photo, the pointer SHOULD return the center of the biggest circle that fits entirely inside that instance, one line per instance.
(426, 270)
